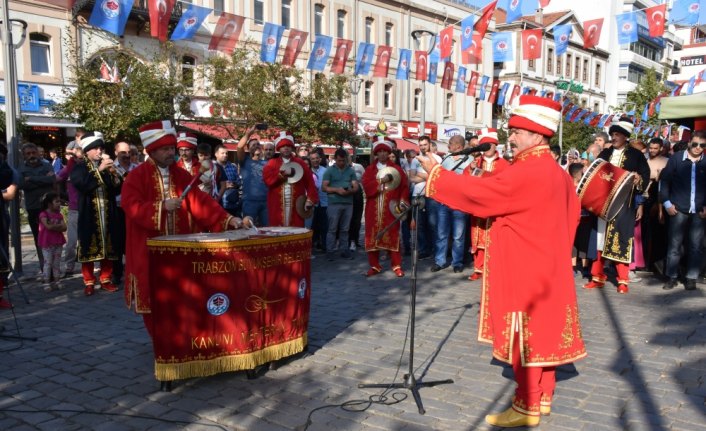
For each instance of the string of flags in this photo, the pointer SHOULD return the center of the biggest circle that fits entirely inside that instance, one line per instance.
(112, 15)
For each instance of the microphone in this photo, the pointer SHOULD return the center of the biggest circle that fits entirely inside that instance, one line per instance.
(468, 151)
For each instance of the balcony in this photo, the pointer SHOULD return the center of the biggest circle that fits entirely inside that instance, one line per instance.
(139, 13)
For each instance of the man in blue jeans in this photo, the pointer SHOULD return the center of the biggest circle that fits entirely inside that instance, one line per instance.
(682, 190)
(451, 221)
(341, 184)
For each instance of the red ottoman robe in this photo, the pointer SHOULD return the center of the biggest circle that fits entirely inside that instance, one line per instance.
(195, 166)
(142, 200)
(377, 208)
(528, 291)
(278, 210)
(481, 226)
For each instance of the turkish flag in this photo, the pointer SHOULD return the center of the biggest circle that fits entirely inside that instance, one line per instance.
(421, 58)
(592, 32)
(474, 54)
(482, 24)
(382, 66)
(295, 43)
(446, 37)
(448, 76)
(544, 3)
(160, 11)
(655, 19)
(515, 93)
(471, 91)
(494, 91)
(227, 33)
(343, 49)
(532, 44)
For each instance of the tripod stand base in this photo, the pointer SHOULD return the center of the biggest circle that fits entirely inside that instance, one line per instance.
(14, 337)
(411, 384)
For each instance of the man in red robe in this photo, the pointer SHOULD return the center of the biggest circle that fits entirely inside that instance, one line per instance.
(383, 202)
(529, 313)
(186, 146)
(288, 204)
(155, 204)
(486, 163)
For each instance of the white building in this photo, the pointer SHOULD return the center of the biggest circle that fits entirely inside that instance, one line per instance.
(627, 63)
(691, 59)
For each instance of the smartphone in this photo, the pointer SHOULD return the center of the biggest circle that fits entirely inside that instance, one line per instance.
(261, 126)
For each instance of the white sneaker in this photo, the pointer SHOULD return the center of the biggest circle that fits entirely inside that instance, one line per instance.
(352, 247)
(633, 277)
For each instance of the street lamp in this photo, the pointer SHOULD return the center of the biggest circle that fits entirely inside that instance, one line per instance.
(418, 35)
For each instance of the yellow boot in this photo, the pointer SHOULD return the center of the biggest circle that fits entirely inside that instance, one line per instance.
(510, 418)
(545, 409)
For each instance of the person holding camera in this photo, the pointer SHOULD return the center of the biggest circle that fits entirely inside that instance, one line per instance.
(285, 196)
(252, 158)
(341, 185)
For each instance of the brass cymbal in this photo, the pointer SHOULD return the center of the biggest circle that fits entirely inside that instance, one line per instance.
(389, 170)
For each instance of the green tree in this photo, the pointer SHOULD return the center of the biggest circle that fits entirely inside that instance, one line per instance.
(145, 92)
(248, 91)
(646, 91)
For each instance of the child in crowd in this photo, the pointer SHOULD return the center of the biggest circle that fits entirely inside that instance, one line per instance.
(51, 238)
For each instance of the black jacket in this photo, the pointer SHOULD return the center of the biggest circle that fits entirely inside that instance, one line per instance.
(675, 182)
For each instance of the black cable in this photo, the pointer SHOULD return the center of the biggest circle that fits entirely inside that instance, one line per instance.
(170, 421)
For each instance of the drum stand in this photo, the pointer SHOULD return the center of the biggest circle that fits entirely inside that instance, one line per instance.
(5, 256)
(410, 382)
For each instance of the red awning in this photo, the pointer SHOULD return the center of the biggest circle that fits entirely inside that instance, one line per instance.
(220, 131)
(403, 144)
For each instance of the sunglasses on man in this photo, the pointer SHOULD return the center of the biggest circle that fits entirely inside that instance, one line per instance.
(696, 144)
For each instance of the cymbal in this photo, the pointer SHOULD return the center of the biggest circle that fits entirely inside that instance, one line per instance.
(298, 171)
(389, 170)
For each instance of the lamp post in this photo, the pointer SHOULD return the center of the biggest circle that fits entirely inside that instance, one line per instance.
(12, 139)
(355, 84)
(418, 35)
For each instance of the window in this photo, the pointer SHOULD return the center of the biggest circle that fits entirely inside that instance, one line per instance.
(218, 6)
(369, 29)
(318, 18)
(598, 76)
(559, 66)
(530, 64)
(584, 77)
(596, 107)
(448, 105)
(187, 71)
(577, 68)
(259, 11)
(550, 60)
(417, 99)
(39, 53)
(476, 109)
(699, 36)
(584, 102)
(567, 68)
(388, 34)
(368, 94)
(286, 13)
(341, 23)
(387, 97)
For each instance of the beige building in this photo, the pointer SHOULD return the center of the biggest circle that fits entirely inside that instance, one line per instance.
(42, 60)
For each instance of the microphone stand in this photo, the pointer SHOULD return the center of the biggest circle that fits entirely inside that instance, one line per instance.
(410, 382)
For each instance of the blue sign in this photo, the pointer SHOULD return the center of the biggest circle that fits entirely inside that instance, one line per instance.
(29, 97)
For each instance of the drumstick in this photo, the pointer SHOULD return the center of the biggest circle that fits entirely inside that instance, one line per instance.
(188, 188)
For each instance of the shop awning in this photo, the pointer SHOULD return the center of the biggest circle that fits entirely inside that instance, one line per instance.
(691, 106)
(46, 121)
(220, 131)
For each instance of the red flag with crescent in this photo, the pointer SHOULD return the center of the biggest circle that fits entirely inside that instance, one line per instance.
(295, 43)
(160, 12)
(448, 76)
(382, 65)
(227, 33)
(592, 32)
(515, 93)
(484, 21)
(446, 37)
(494, 91)
(421, 58)
(655, 19)
(531, 44)
(471, 91)
(474, 54)
(340, 57)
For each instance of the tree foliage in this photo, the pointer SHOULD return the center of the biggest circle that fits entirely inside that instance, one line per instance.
(246, 91)
(145, 92)
(646, 91)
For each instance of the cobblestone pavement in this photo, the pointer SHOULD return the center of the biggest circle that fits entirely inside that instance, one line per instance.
(91, 367)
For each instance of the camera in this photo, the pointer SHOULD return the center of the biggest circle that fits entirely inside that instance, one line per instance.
(261, 126)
